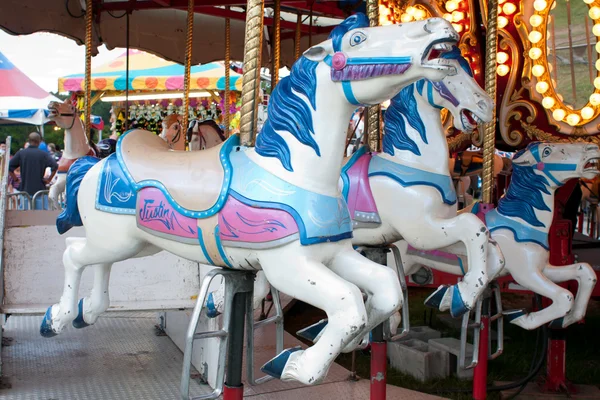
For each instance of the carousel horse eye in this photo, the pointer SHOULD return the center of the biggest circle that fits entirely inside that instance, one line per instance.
(357, 38)
(546, 152)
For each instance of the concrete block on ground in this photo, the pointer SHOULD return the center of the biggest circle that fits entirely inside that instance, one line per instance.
(414, 357)
(422, 333)
(451, 346)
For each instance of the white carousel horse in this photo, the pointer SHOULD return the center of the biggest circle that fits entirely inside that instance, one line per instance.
(407, 191)
(275, 207)
(520, 226)
(76, 144)
(203, 135)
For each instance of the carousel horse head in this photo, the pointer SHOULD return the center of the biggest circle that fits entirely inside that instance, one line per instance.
(541, 168)
(203, 135)
(63, 114)
(372, 64)
(171, 129)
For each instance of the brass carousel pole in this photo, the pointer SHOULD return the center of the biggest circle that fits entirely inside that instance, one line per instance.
(188, 64)
(373, 112)
(89, 18)
(251, 76)
(276, 44)
(226, 101)
(298, 36)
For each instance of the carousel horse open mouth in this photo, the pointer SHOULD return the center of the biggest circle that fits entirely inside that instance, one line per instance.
(591, 165)
(470, 120)
(432, 54)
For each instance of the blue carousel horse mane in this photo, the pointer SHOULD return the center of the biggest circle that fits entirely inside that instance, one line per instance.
(358, 20)
(455, 54)
(525, 194)
(290, 113)
(403, 108)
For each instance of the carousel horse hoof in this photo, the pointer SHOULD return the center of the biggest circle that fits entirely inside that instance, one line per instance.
(211, 309)
(557, 323)
(435, 299)
(276, 365)
(46, 327)
(79, 322)
(511, 315)
(458, 307)
(313, 332)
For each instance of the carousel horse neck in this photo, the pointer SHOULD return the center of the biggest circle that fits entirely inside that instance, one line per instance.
(529, 199)
(413, 133)
(310, 156)
(76, 141)
(204, 135)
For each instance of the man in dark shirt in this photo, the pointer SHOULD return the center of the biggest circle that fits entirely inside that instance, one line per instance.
(33, 163)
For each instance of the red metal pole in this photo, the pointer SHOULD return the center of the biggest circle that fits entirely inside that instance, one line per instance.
(480, 371)
(378, 364)
(556, 379)
(233, 393)
(580, 222)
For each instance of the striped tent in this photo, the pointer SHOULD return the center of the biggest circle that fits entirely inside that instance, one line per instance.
(148, 72)
(21, 99)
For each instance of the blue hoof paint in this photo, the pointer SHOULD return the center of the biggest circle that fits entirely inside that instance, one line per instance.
(511, 315)
(458, 306)
(46, 327)
(211, 309)
(275, 366)
(313, 331)
(435, 300)
(557, 323)
(79, 321)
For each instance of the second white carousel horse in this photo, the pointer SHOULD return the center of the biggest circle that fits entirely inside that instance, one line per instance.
(76, 144)
(203, 135)
(275, 207)
(521, 224)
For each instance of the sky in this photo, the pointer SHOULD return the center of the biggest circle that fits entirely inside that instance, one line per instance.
(45, 57)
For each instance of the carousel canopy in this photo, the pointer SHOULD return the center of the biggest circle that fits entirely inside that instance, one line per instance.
(148, 72)
(160, 26)
(21, 99)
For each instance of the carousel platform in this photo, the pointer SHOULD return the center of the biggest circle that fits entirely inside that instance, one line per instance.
(122, 357)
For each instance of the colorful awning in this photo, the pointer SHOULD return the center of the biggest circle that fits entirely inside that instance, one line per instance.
(148, 72)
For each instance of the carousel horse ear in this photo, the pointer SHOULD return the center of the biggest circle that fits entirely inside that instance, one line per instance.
(319, 52)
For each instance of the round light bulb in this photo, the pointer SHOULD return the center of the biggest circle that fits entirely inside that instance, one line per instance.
(536, 20)
(587, 112)
(451, 5)
(502, 69)
(595, 99)
(420, 14)
(598, 47)
(548, 102)
(457, 27)
(405, 18)
(553, 6)
(535, 36)
(594, 12)
(588, 1)
(501, 57)
(540, 5)
(502, 22)
(598, 64)
(509, 8)
(559, 114)
(597, 83)
(538, 70)
(573, 119)
(458, 16)
(596, 30)
(410, 11)
(447, 17)
(542, 87)
(535, 53)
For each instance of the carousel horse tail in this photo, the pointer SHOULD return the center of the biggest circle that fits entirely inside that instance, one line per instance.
(70, 216)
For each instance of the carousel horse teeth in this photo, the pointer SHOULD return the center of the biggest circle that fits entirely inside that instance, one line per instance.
(79, 322)
(557, 323)
(276, 365)
(46, 327)
(211, 309)
(435, 299)
(313, 332)
(458, 307)
(511, 315)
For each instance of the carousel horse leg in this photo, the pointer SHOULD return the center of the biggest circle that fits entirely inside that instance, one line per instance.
(537, 282)
(440, 232)
(341, 300)
(56, 189)
(586, 278)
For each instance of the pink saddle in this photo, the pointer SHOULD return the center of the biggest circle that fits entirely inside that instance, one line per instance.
(357, 190)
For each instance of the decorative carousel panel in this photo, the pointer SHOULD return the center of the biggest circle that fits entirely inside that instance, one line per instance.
(463, 16)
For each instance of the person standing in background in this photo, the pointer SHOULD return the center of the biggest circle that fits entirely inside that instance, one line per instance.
(33, 162)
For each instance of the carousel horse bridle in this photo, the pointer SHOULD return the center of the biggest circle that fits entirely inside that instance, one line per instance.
(210, 123)
(546, 168)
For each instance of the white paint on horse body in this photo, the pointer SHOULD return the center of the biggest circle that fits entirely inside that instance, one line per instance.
(327, 275)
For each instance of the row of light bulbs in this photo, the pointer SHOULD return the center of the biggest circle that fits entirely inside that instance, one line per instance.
(455, 16)
(505, 10)
(553, 101)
